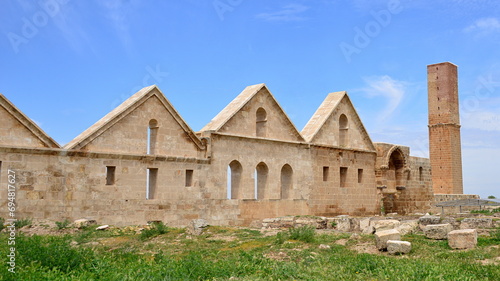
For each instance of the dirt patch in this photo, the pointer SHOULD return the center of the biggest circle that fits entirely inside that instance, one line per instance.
(279, 256)
(368, 248)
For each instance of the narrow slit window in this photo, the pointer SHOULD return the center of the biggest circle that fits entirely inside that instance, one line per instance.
(326, 171)
(152, 136)
(420, 174)
(189, 177)
(151, 177)
(0, 170)
(360, 175)
(110, 175)
(343, 176)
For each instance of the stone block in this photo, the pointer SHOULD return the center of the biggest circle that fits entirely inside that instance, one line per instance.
(470, 223)
(81, 223)
(342, 223)
(408, 227)
(386, 225)
(428, 219)
(398, 247)
(381, 237)
(365, 226)
(437, 231)
(462, 239)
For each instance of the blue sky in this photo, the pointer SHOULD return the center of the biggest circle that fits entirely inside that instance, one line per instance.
(67, 63)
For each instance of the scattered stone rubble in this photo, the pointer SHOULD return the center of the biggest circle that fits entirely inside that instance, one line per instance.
(462, 239)
(387, 229)
(437, 231)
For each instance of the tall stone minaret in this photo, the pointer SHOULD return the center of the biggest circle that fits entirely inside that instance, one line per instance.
(444, 128)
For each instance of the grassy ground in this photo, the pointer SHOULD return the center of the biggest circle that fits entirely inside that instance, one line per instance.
(224, 253)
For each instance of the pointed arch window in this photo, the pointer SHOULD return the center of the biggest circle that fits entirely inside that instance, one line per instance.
(234, 171)
(286, 181)
(261, 172)
(261, 123)
(152, 136)
(343, 130)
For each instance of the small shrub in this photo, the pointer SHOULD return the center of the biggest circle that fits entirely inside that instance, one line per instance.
(491, 197)
(63, 224)
(2, 221)
(157, 228)
(281, 237)
(495, 234)
(23, 222)
(333, 224)
(304, 233)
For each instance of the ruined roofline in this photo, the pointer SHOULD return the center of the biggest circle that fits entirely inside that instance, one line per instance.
(28, 123)
(325, 110)
(238, 103)
(123, 110)
(441, 63)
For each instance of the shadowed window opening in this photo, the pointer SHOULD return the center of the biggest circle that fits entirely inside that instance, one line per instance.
(151, 178)
(261, 122)
(110, 175)
(261, 172)
(152, 136)
(343, 176)
(189, 177)
(343, 130)
(286, 181)
(326, 171)
(234, 171)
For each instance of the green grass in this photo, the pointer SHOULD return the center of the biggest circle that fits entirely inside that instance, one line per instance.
(23, 222)
(155, 229)
(223, 252)
(486, 212)
(63, 224)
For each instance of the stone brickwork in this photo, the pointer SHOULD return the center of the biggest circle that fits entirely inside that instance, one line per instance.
(444, 129)
(142, 162)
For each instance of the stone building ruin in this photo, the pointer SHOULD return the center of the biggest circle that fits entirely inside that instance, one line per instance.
(142, 162)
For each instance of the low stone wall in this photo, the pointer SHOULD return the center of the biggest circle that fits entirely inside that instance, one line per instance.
(438, 198)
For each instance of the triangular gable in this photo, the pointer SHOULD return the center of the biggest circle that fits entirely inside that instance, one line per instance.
(323, 127)
(19, 130)
(238, 117)
(149, 94)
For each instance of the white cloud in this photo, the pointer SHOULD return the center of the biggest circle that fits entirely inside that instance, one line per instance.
(484, 26)
(289, 12)
(384, 86)
(117, 11)
(486, 121)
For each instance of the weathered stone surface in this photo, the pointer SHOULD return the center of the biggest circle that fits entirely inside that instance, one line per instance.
(398, 247)
(408, 227)
(323, 246)
(381, 237)
(342, 223)
(462, 239)
(469, 223)
(103, 173)
(197, 226)
(428, 219)
(437, 231)
(80, 223)
(386, 225)
(365, 227)
(102, 227)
